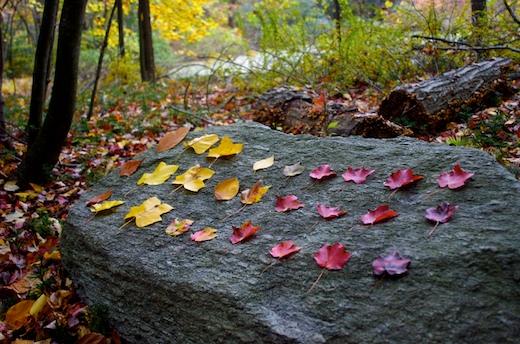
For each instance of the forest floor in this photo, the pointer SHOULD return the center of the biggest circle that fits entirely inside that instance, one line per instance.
(38, 302)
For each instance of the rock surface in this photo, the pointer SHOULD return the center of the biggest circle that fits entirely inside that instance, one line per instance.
(463, 284)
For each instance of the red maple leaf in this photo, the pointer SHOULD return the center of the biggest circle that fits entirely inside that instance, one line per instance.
(329, 212)
(454, 179)
(319, 103)
(391, 264)
(401, 178)
(321, 172)
(358, 176)
(284, 249)
(377, 215)
(330, 258)
(287, 203)
(243, 232)
(441, 214)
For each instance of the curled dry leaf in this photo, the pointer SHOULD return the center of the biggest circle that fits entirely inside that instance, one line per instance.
(100, 198)
(172, 139)
(203, 143)
(227, 189)
(441, 214)
(245, 231)
(264, 163)
(206, 234)
(178, 227)
(293, 170)
(255, 194)
(129, 167)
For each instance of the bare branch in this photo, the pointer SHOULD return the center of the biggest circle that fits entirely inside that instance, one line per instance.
(511, 12)
(466, 46)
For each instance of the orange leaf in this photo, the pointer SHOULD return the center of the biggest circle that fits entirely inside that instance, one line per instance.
(227, 189)
(129, 167)
(172, 139)
(207, 233)
(255, 194)
(92, 338)
(18, 315)
(100, 198)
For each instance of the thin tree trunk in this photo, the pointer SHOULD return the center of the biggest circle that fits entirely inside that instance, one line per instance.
(121, 29)
(337, 20)
(145, 42)
(100, 61)
(43, 154)
(4, 137)
(41, 69)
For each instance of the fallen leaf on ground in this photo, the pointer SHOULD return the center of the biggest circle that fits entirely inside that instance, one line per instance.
(377, 215)
(330, 212)
(284, 249)
(161, 173)
(193, 178)
(11, 186)
(96, 208)
(455, 178)
(330, 258)
(391, 264)
(207, 233)
(203, 143)
(129, 168)
(227, 189)
(92, 338)
(172, 139)
(177, 227)
(264, 163)
(100, 198)
(358, 176)
(321, 172)
(255, 194)
(293, 170)
(441, 214)
(287, 203)
(18, 315)
(246, 230)
(226, 148)
(401, 178)
(148, 212)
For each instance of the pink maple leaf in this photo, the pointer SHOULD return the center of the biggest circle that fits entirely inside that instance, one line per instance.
(454, 179)
(441, 214)
(329, 212)
(358, 176)
(391, 264)
(284, 249)
(321, 172)
(246, 230)
(401, 178)
(287, 203)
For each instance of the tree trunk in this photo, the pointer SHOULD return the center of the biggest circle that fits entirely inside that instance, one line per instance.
(43, 154)
(100, 61)
(145, 42)
(121, 28)
(4, 137)
(435, 102)
(232, 21)
(478, 11)
(337, 20)
(41, 69)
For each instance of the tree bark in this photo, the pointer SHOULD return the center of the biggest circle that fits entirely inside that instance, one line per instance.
(146, 56)
(121, 28)
(100, 61)
(435, 102)
(4, 137)
(43, 154)
(478, 11)
(41, 69)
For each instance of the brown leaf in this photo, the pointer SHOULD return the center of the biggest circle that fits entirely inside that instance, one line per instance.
(100, 198)
(18, 315)
(92, 338)
(172, 139)
(129, 167)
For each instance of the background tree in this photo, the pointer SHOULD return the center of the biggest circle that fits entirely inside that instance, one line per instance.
(146, 57)
(41, 69)
(44, 152)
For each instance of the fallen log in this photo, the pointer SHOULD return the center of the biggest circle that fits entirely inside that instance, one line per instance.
(433, 103)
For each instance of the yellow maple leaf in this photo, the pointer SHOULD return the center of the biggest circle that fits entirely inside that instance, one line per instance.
(161, 173)
(226, 147)
(95, 208)
(193, 178)
(202, 144)
(148, 212)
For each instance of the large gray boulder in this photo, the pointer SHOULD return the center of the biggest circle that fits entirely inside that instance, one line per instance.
(463, 283)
